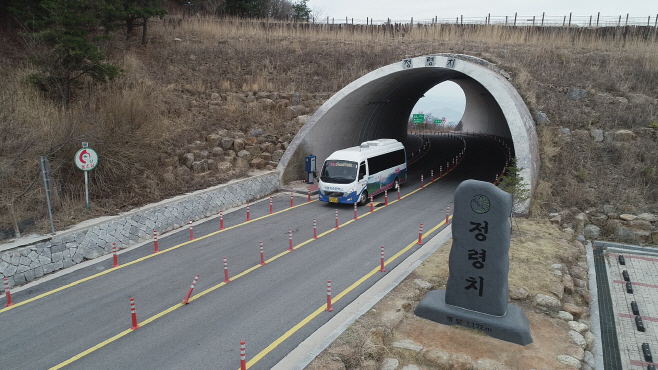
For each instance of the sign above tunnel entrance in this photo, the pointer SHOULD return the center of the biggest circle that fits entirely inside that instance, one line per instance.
(451, 63)
(407, 63)
(429, 61)
(419, 118)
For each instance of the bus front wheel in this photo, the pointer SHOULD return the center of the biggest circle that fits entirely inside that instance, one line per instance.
(363, 198)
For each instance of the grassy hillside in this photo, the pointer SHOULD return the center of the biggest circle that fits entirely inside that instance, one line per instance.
(209, 76)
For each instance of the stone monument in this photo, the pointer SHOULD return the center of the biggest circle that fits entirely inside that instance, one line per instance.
(476, 292)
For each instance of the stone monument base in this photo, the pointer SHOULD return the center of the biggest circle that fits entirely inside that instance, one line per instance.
(514, 327)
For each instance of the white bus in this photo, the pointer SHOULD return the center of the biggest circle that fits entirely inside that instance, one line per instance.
(352, 175)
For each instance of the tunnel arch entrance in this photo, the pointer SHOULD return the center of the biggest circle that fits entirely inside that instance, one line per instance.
(378, 105)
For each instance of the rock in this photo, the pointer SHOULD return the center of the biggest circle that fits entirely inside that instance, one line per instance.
(302, 119)
(255, 132)
(567, 280)
(436, 356)
(624, 135)
(556, 266)
(390, 364)
(557, 289)
(581, 238)
(565, 316)
(458, 361)
(579, 272)
(547, 302)
(592, 232)
(627, 217)
(238, 145)
(654, 237)
(217, 151)
(518, 293)
(541, 118)
(488, 364)
(577, 326)
(423, 284)
(650, 217)
(625, 234)
(638, 224)
(227, 143)
(188, 159)
(565, 134)
(244, 155)
(639, 99)
(266, 157)
(408, 344)
(579, 222)
(200, 166)
(579, 283)
(213, 140)
(241, 164)
(598, 219)
(575, 351)
(589, 340)
(556, 220)
(576, 94)
(267, 147)
(588, 358)
(258, 163)
(574, 310)
(276, 156)
(577, 338)
(569, 361)
(224, 167)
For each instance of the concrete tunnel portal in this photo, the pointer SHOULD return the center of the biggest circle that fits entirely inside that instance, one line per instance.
(378, 105)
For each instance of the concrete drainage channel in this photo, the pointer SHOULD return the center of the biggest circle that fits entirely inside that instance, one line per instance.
(23, 262)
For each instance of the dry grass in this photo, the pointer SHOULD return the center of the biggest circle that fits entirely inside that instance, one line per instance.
(163, 104)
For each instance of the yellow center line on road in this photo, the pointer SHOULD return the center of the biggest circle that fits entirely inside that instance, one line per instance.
(245, 272)
(322, 308)
(70, 285)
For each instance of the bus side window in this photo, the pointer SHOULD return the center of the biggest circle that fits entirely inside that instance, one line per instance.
(362, 171)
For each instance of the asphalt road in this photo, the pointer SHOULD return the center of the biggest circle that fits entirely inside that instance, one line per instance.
(259, 307)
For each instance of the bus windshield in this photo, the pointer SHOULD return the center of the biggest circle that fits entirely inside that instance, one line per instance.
(338, 172)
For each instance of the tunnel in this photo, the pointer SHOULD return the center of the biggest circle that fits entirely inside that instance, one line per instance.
(378, 105)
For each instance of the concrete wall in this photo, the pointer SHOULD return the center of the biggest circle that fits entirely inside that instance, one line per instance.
(24, 263)
(378, 105)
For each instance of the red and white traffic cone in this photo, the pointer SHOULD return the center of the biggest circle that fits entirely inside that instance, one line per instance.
(221, 220)
(447, 166)
(420, 235)
(191, 231)
(155, 241)
(271, 206)
(315, 229)
(440, 171)
(372, 206)
(248, 218)
(8, 293)
(114, 255)
(189, 292)
(262, 255)
(133, 314)
(496, 180)
(386, 197)
(355, 214)
(336, 219)
(309, 194)
(448, 216)
(398, 191)
(329, 308)
(243, 356)
(290, 248)
(382, 268)
(421, 180)
(432, 175)
(291, 202)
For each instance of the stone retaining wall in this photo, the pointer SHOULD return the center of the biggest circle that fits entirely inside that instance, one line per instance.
(26, 263)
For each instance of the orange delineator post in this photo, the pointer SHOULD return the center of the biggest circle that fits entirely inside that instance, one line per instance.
(8, 293)
(448, 216)
(248, 218)
(262, 255)
(329, 308)
(420, 235)
(133, 314)
(355, 215)
(309, 194)
(243, 356)
(191, 231)
(290, 238)
(226, 279)
(421, 180)
(336, 219)
(315, 229)
(382, 268)
(372, 207)
(155, 241)
(271, 206)
(386, 197)
(221, 220)
(291, 202)
(189, 292)
(114, 255)
(432, 175)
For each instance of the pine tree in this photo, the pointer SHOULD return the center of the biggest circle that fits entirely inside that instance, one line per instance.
(514, 184)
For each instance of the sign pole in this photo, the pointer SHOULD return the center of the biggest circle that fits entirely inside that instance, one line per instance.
(45, 170)
(87, 188)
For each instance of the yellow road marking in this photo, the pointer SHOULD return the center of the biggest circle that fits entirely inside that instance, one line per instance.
(322, 308)
(70, 285)
(243, 273)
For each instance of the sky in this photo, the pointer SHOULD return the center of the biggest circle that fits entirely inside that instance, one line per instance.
(426, 9)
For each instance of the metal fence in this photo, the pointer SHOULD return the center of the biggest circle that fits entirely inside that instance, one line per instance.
(542, 20)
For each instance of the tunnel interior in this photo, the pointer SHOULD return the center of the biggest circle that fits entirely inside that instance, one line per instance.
(378, 105)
